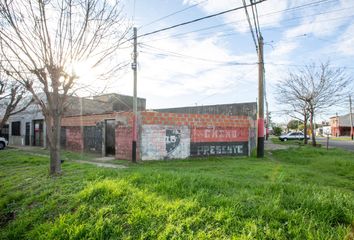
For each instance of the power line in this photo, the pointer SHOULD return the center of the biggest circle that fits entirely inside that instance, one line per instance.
(299, 65)
(172, 14)
(250, 26)
(233, 22)
(174, 54)
(197, 20)
(257, 19)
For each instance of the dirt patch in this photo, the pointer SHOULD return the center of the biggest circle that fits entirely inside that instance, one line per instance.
(98, 164)
(268, 145)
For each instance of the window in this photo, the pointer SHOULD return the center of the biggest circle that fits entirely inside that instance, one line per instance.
(16, 128)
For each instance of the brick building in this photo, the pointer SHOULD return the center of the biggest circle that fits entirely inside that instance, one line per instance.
(104, 125)
(340, 125)
(160, 135)
(29, 128)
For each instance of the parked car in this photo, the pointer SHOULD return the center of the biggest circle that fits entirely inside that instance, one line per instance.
(293, 136)
(3, 143)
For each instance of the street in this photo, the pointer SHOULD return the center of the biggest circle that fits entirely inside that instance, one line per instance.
(347, 145)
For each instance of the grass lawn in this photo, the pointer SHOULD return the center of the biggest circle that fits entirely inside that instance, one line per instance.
(299, 193)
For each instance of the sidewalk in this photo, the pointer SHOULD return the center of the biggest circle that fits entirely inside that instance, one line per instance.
(269, 145)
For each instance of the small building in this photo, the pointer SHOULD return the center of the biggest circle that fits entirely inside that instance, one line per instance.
(160, 135)
(341, 125)
(28, 128)
(104, 125)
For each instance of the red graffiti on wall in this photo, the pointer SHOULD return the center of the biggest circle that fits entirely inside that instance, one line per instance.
(220, 134)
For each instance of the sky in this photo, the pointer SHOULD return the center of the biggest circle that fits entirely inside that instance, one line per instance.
(214, 61)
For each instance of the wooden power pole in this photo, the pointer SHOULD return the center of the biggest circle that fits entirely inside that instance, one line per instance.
(351, 117)
(135, 101)
(260, 116)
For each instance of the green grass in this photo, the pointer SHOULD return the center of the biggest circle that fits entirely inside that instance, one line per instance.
(341, 138)
(299, 193)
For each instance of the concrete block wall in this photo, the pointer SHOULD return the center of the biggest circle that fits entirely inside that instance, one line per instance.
(179, 135)
(87, 120)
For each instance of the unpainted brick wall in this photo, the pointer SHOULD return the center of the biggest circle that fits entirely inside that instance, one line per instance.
(194, 120)
(124, 137)
(74, 138)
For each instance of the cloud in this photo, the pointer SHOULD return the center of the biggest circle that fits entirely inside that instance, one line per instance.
(323, 20)
(238, 18)
(171, 69)
(345, 44)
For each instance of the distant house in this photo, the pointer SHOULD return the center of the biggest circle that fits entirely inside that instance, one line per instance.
(340, 125)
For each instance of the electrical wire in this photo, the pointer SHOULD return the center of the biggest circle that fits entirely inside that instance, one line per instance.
(269, 28)
(196, 20)
(172, 14)
(250, 26)
(299, 65)
(174, 54)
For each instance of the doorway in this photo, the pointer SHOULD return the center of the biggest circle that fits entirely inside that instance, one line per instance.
(38, 133)
(28, 133)
(110, 137)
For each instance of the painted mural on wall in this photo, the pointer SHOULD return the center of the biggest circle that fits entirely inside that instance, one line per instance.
(207, 141)
(219, 148)
(220, 134)
(173, 139)
(164, 142)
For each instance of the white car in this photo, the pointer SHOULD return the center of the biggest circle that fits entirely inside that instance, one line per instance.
(293, 136)
(3, 143)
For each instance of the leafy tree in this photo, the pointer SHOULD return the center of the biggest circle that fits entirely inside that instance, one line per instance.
(293, 124)
(44, 41)
(277, 130)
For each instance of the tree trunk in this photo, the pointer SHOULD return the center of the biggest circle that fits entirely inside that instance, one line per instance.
(3, 121)
(312, 130)
(53, 131)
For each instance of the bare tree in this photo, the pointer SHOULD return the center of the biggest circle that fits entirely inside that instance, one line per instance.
(313, 89)
(12, 99)
(288, 94)
(43, 40)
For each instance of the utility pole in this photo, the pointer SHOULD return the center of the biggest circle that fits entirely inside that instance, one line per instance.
(260, 116)
(135, 109)
(351, 117)
(267, 121)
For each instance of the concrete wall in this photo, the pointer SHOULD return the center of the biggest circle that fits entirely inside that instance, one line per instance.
(121, 102)
(233, 109)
